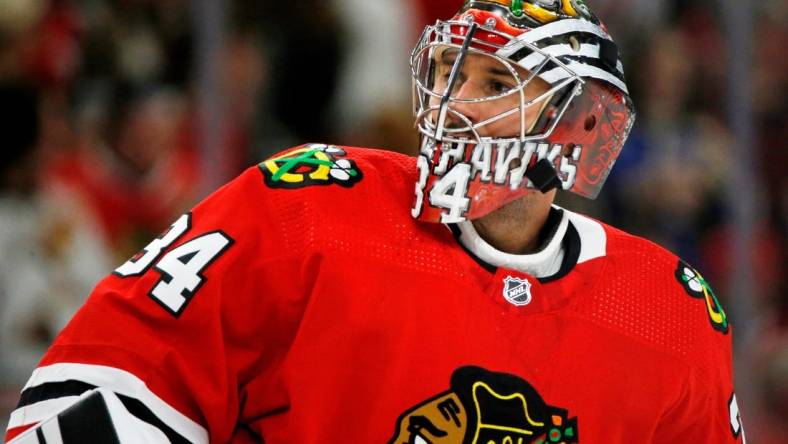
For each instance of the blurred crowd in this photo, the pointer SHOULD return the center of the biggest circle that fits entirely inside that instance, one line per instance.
(101, 114)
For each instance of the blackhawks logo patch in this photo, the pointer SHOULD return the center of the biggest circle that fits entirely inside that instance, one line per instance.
(697, 287)
(483, 407)
(314, 164)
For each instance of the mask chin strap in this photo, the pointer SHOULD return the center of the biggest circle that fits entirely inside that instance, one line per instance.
(543, 176)
(455, 72)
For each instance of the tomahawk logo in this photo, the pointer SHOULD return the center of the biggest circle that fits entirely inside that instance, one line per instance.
(314, 164)
(517, 291)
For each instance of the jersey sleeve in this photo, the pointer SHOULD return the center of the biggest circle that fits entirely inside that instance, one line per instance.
(98, 416)
(180, 329)
(706, 408)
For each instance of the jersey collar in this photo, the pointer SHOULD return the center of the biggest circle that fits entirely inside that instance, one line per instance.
(547, 263)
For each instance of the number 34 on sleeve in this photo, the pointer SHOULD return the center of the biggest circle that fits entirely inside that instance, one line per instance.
(181, 268)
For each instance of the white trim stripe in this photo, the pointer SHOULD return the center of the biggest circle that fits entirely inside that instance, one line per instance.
(51, 431)
(120, 382)
(559, 50)
(593, 239)
(39, 411)
(563, 49)
(128, 427)
(543, 263)
(582, 70)
(560, 27)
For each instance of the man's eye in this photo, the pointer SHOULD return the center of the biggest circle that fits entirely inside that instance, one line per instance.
(499, 87)
(442, 77)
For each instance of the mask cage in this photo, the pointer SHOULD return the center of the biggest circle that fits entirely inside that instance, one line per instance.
(458, 35)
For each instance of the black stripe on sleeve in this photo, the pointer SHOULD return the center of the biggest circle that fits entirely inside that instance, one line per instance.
(54, 390)
(88, 421)
(143, 413)
(40, 437)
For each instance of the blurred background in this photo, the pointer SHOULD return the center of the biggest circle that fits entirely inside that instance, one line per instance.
(118, 115)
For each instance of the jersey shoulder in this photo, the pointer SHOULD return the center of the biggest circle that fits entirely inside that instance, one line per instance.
(328, 167)
(338, 176)
(651, 295)
(648, 293)
(320, 182)
(344, 200)
(332, 201)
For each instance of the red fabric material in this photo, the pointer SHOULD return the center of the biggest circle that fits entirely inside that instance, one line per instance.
(334, 313)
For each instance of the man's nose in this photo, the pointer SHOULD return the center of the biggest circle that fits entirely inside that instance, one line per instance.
(464, 91)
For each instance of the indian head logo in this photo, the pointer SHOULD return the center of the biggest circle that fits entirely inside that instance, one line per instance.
(543, 11)
(314, 164)
(517, 291)
(484, 407)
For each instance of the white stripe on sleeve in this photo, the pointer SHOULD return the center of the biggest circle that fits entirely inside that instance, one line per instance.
(39, 411)
(116, 380)
(51, 431)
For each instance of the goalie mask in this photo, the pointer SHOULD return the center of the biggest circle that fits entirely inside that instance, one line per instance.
(513, 96)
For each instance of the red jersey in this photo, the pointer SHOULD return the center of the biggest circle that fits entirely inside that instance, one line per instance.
(301, 303)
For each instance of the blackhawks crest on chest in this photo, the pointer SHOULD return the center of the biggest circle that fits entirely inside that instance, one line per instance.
(484, 407)
(517, 291)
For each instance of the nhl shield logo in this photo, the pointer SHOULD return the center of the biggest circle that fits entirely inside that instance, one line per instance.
(517, 291)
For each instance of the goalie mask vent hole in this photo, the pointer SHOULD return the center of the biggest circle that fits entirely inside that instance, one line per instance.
(590, 123)
(574, 43)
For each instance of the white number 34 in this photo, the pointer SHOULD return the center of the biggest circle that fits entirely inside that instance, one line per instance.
(181, 268)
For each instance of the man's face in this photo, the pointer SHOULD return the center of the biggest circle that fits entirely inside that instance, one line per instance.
(484, 76)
